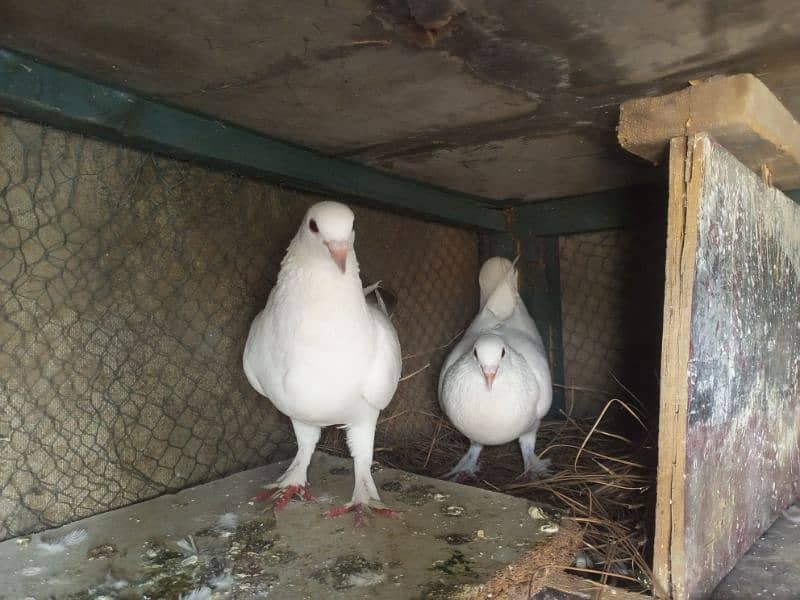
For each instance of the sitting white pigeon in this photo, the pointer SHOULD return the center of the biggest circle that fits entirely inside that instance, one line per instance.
(495, 384)
(322, 354)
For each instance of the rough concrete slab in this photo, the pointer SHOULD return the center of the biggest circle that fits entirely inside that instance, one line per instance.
(349, 76)
(770, 569)
(740, 112)
(534, 168)
(448, 539)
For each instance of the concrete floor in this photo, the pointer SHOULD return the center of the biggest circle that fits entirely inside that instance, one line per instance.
(212, 540)
(770, 569)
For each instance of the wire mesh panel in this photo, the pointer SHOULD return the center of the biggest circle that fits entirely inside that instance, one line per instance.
(127, 286)
(434, 270)
(612, 286)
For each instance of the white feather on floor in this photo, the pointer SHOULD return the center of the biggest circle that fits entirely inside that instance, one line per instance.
(187, 545)
(228, 521)
(73, 538)
(203, 593)
(223, 581)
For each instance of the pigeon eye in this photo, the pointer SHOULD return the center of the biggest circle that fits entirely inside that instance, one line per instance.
(475, 352)
(312, 225)
(503, 353)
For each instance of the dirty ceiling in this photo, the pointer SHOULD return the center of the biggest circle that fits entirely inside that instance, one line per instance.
(502, 98)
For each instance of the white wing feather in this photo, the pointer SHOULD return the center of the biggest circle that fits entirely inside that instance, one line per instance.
(382, 379)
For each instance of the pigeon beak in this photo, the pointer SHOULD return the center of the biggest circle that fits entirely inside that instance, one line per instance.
(489, 376)
(338, 252)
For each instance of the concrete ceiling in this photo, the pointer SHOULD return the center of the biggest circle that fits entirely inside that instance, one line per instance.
(503, 98)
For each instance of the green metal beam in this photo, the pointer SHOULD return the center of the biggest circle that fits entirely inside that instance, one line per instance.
(56, 96)
(614, 209)
(540, 288)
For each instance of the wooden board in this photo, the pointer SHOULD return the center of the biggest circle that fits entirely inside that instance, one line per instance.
(739, 111)
(729, 446)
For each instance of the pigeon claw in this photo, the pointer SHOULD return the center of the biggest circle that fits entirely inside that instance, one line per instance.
(461, 476)
(540, 470)
(282, 496)
(360, 511)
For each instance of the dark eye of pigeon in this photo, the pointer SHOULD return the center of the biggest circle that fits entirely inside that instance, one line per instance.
(312, 225)
(503, 353)
(475, 352)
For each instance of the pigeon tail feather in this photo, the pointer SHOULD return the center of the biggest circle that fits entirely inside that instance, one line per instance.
(498, 283)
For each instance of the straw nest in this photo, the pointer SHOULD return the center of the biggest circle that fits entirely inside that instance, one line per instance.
(602, 483)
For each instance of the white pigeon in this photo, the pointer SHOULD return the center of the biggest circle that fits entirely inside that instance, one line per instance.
(495, 385)
(322, 354)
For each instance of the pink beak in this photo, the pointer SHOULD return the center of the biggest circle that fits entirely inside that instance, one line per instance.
(338, 252)
(489, 377)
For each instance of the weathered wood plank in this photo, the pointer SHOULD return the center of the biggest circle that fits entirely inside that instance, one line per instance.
(739, 111)
(37, 91)
(674, 360)
(730, 411)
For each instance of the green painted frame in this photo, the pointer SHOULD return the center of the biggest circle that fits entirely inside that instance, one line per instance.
(35, 90)
(613, 209)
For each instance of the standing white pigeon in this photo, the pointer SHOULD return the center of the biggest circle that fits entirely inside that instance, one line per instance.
(322, 354)
(495, 384)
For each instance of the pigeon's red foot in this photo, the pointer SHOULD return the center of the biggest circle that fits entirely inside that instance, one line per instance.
(360, 511)
(282, 496)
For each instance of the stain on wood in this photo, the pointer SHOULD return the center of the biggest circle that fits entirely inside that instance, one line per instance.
(739, 420)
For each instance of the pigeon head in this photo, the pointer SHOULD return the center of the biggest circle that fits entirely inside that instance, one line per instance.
(329, 227)
(489, 351)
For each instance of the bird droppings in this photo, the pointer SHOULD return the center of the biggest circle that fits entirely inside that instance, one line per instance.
(549, 528)
(281, 557)
(350, 571)
(253, 537)
(169, 576)
(537, 513)
(457, 564)
(392, 486)
(103, 551)
(453, 511)
(416, 495)
(220, 547)
(445, 590)
(456, 539)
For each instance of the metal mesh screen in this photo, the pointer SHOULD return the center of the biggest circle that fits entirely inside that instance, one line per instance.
(434, 271)
(612, 290)
(127, 285)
